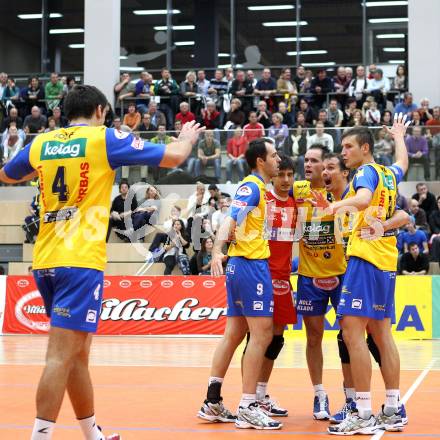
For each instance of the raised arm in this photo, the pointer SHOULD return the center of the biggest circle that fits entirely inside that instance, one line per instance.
(398, 131)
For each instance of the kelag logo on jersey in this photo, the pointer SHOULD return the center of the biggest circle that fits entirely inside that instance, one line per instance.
(63, 150)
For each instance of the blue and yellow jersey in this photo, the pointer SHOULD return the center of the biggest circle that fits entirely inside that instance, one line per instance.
(321, 255)
(76, 167)
(382, 182)
(248, 209)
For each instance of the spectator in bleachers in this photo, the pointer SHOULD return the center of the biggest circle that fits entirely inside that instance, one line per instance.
(288, 116)
(434, 122)
(307, 110)
(53, 92)
(425, 111)
(300, 76)
(320, 137)
(378, 87)
(12, 144)
(168, 90)
(117, 123)
(334, 115)
(210, 117)
(175, 213)
(287, 87)
(209, 154)
(215, 193)
(189, 90)
(407, 106)
(236, 117)
(341, 84)
(402, 201)
(250, 76)
(358, 86)
(197, 202)
(11, 95)
(69, 85)
(264, 116)
(357, 119)
(418, 151)
(350, 107)
(33, 95)
(349, 74)
(266, 87)
(242, 90)
(157, 117)
(383, 148)
(306, 85)
(125, 89)
(32, 221)
(236, 150)
(323, 117)
(204, 257)
(413, 262)
(434, 135)
(371, 71)
(202, 83)
(132, 118)
(278, 131)
(147, 211)
(13, 117)
(222, 212)
(118, 212)
(142, 91)
(387, 118)
(434, 224)
(51, 125)
(321, 85)
(36, 122)
(60, 120)
(218, 86)
(3, 83)
(419, 214)
(399, 82)
(161, 138)
(185, 115)
(252, 130)
(372, 115)
(146, 125)
(425, 199)
(413, 235)
(175, 249)
(229, 76)
(416, 121)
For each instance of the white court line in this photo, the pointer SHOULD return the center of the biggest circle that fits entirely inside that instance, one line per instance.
(409, 393)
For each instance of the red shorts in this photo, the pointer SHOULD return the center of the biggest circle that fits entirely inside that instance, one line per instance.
(284, 311)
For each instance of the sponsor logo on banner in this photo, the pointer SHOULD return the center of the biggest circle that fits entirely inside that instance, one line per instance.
(30, 313)
(167, 284)
(244, 191)
(22, 283)
(146, 284)
(281, 287)
(137, 309)
(125, 284)
(121, 134)
(209, 284)
(188, 284)
(326, 284)
(107, 283)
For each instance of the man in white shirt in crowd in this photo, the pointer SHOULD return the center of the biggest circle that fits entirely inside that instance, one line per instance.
(320, 137)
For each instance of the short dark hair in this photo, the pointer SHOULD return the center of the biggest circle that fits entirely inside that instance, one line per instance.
(363, 136)
(123, 182)
(82, 101)
(257, 148)
(324, 149)
(413, 243)
(286, 163)
(337, 156)
(420, 184)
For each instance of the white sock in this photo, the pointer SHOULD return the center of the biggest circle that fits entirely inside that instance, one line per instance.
(319, 390)
(213, 379)
(43, 430)
(391, 402)
(90, 429)
(247, 399)
(261, 390)
(363, 404)
(350, 393)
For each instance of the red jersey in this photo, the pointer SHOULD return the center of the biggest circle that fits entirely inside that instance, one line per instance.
(281, 221)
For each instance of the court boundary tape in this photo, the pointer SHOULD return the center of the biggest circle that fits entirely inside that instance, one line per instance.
(411, 390)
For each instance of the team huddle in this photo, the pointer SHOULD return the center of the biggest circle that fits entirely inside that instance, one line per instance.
(347, 254)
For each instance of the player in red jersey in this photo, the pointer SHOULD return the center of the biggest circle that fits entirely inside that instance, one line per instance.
(281, 220)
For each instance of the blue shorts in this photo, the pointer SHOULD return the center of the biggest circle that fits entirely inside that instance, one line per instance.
(313, 294)
(72, 296)
(249, 287)
(367, 291)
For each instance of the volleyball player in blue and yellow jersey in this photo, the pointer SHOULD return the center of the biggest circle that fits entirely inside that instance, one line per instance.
(249, 291)
(367, 298)
(75, 167)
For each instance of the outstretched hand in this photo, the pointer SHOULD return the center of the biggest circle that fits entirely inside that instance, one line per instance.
(399, 127)
(190, 132)
(318, 200)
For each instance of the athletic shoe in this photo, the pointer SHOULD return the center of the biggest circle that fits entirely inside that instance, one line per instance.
(353, 424)
(271, 408)
(321, 409)
(111, 437)
(340, 416)
(253, 417)
(402, 413)
(215, 412)
(389, 423)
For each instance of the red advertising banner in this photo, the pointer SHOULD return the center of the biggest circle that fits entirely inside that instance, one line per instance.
(155, 305)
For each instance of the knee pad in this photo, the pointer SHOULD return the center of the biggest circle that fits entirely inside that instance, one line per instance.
(343, 350)
(373, 348)
(248, 336)
(274, 348)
